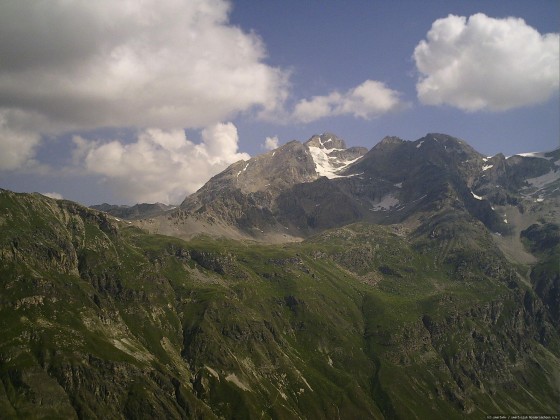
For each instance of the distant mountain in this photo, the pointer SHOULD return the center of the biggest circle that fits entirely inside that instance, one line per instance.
(301, 189)
(137, 211)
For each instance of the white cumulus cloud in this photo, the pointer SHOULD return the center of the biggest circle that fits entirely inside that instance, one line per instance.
(161, 165)
(271, 143)
(368, 100)
(154, 63)
(483, 63)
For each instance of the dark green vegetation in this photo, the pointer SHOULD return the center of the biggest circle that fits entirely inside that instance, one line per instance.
(544, 240)
(137, 211)
(100, 319)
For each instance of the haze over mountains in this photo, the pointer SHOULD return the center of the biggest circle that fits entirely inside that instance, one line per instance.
(418, 279)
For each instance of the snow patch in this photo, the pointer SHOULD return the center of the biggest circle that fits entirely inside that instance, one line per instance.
(477, 196)
(486, 167)
(540, 155)
(399, 185)
(323, 165)
(348, 163)
(386, 203)
(419, 145)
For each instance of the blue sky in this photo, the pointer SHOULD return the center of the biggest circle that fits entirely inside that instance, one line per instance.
(337, 45)
(145, 102)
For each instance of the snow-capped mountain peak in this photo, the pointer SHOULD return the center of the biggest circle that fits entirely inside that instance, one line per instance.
(331, 156)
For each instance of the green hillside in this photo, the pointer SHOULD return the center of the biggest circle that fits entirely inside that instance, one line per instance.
(99, 319)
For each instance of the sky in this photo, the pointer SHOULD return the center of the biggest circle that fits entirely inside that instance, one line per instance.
(128, 102)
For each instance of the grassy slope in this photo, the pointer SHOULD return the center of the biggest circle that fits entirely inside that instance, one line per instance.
(102, 320)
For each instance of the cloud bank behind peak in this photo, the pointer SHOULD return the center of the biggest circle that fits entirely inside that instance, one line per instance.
(160, 165)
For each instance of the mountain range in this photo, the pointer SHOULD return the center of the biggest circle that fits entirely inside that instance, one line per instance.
(417, 279)
(301, 189)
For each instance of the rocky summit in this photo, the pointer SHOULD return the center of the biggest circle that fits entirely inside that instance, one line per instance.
(418, 279)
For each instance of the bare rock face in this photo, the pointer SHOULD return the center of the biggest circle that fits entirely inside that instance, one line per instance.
(249, 194)
(274, 171)
(326, 141)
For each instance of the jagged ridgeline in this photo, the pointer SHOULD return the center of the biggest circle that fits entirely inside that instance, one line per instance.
(99, 319)
(301, 189)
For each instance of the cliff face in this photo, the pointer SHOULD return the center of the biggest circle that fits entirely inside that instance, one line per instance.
(100, 319)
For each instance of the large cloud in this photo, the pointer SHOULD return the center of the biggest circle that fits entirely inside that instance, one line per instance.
(485, 63)
(173, 63)
(271, 143)
(161, 165)
(368, 100)
(17, 144)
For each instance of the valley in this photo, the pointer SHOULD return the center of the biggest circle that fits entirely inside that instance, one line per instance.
(409, 282)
